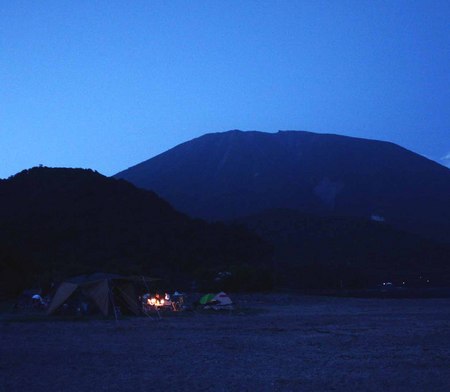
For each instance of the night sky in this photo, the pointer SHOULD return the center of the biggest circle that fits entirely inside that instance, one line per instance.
(108, 84)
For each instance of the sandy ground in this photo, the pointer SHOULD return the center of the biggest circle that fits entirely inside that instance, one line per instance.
(296, 344)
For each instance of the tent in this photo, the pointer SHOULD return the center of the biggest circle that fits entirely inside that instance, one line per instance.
(222, 301)
(206, 298)
(217, 302)
(105, 291)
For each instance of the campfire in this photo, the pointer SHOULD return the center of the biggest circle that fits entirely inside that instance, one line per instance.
(158, 302)
(163, 302)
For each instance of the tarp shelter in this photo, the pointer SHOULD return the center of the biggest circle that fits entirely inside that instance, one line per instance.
(104, 290)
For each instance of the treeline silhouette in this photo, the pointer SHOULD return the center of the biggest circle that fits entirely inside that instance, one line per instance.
(343, 252)
(58, 222)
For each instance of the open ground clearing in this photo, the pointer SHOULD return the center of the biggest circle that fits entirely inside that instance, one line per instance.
(272, 343)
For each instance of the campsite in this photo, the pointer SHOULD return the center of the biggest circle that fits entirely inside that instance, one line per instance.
(225, 196)
(269, 342)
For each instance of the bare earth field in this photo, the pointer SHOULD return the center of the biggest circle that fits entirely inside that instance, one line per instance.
(271, 343)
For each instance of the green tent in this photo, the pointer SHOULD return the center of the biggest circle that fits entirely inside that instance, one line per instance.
(219, 301)
(207, 298)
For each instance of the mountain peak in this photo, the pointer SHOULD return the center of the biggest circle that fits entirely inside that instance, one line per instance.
(232, 174)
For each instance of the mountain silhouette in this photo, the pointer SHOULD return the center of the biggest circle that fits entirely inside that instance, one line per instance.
(58, 222)
(224, 176)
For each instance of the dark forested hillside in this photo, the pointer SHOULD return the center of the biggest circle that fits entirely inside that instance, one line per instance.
(60, 222)
(233, 174)
(328, 251)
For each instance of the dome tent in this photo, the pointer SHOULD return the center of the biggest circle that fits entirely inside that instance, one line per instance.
(217, 302)
(206, 298)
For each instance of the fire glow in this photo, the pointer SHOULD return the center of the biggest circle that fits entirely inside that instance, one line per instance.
(159, 302)
(155, 302)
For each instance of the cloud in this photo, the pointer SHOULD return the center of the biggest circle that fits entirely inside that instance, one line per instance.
(446, 160)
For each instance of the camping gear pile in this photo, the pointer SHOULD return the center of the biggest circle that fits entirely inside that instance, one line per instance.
(31, 300)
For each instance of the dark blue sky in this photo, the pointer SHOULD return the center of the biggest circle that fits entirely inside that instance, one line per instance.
(107, 84)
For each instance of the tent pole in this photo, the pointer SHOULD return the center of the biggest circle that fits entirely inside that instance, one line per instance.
(112, 300)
